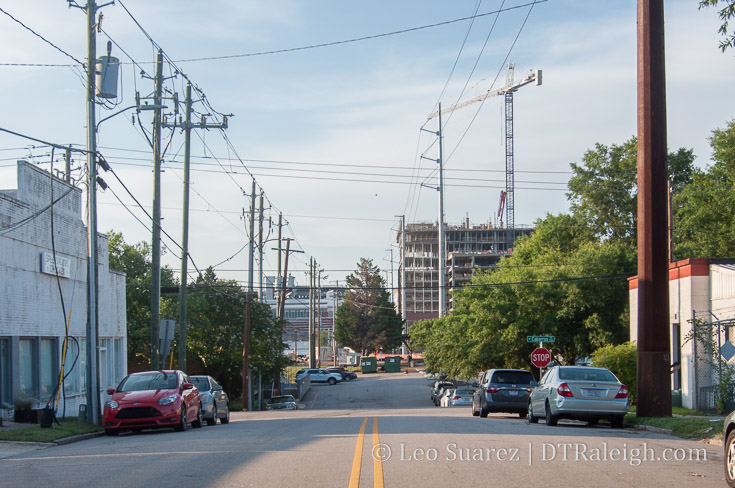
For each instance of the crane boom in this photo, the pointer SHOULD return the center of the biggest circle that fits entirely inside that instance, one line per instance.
(533, 76)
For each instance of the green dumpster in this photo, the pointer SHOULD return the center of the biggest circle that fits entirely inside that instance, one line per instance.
(393, 364)
(369, 365)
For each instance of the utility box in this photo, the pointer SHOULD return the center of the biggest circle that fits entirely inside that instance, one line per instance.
(369, 365)
(393, 364)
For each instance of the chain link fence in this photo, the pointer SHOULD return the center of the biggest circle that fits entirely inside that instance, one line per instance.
(714, 377)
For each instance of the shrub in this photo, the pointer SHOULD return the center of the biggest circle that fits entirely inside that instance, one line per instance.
(622, 361)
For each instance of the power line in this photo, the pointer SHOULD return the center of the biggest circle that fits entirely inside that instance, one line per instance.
(44, 40)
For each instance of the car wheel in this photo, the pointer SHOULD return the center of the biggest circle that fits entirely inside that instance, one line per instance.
(475, 413)
(226, 418)
(197, 424)
(181, 426)
(332, 381)
(531, 418)
(213, 420)
(522, 415)
(484, 412)
(551, 419)
(112, 431)
(730, 459)
(617, 422)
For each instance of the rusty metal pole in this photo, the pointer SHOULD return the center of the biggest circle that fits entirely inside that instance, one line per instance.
(654, 362)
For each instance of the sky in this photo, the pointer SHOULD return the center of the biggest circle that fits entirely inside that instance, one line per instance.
(337, 136)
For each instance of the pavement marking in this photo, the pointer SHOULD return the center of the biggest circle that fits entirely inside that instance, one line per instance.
(315, 397)
(357, 460)
(377, 462)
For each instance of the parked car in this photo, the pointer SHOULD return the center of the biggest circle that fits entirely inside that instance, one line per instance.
(728, 441)
(319, 375)
(581, 393)
(503, 390)
(153, 399)
(436, 388)
(457, 397)
(215, 402)
(346, 375)
(283, 402)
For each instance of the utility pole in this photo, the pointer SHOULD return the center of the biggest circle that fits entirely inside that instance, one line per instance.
(654, 361)
(92, 371)
(442, 274)
(278, 275)
(312, 362)
(246, 391)
(187, 126)
(185, 237)
(402, 283)
(67, 165)
(319, 317)
(156, 224)
(261, 292)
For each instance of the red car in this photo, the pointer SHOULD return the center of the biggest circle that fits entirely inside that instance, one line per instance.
(151, 400)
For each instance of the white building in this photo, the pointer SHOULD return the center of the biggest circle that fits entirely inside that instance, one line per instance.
(37, 297)
(701, 289)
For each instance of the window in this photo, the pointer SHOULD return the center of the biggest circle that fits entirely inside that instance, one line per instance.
(83, 363)
(6, 386)
(119, 361)
(72, 366)
(104, 366)
(48, 364)
(27, 370)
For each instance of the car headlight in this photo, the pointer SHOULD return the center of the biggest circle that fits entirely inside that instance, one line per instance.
(167, 400)
(111, 404)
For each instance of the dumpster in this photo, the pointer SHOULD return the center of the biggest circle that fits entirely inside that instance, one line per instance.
(369, 365)
(393, 364)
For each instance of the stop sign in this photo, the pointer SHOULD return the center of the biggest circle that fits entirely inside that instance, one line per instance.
(540, 357)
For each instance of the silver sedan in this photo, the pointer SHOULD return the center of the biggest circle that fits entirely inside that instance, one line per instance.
(581, 393)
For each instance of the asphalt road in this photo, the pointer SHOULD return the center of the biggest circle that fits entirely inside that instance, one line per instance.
(346, 428)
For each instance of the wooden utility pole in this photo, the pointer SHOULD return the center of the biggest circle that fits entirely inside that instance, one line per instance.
(654, 360)
(156, 224)
(246, 391)
(187, 126)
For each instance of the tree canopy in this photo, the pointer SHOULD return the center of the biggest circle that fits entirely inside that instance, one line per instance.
(726, 13)
(367, 320)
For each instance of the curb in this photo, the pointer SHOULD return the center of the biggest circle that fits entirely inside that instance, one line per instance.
(76, 438)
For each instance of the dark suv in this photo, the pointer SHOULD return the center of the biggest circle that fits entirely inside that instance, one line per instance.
(503, 390)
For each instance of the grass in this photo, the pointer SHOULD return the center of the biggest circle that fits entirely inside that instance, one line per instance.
(34, 433)
(686, 423)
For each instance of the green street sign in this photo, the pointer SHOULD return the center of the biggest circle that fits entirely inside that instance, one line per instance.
(541, 338)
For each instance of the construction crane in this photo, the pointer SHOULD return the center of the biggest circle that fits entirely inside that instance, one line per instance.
(508, 90)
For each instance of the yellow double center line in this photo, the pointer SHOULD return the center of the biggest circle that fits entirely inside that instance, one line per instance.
(357, 460)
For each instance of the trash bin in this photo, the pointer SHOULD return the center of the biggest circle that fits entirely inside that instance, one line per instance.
(393, 364)
(82, 417)
(47, 417)
(369, 365)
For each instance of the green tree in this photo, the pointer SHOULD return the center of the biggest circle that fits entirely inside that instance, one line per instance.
(704, 224)
(559, 281)
(135, 262)
(727, 12)
(622, 360)
(603, 191)
(367, 321)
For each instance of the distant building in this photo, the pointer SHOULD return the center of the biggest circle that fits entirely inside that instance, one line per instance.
(469, 248)
(701, 304)
(43, 284)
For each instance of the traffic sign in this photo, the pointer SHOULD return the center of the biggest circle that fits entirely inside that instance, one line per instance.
(540, 357)
(541, 338)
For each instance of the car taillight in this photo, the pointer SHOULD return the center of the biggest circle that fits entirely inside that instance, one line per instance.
(622, 392)
(564, 390)
(492, 389)
(456, 397)
(529, 390)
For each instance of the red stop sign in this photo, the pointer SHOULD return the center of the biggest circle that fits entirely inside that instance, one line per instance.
(540, 357)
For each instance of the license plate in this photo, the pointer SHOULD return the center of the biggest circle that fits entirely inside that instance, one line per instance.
(593, 393)
(513, 392)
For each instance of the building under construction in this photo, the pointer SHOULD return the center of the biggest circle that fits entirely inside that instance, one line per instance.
(469, 248)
